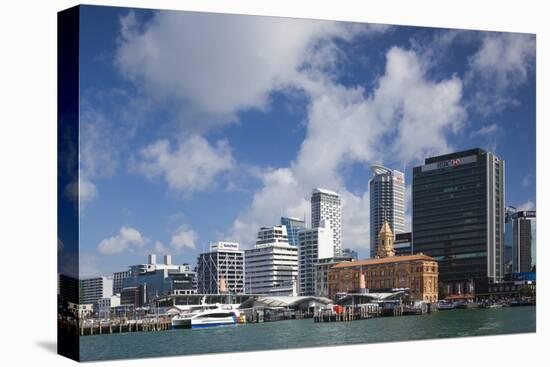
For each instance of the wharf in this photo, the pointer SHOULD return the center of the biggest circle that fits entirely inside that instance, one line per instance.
(96, 327)
(347, 313)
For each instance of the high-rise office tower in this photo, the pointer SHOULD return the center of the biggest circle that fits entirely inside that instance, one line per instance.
(458, 218)
(387, 202)
(224, 263)
(327, 205)
(293, 225)
(520, 240)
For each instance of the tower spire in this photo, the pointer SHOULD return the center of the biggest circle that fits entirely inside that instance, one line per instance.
(385, 241)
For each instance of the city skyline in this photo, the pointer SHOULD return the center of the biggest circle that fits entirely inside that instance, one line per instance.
(196, 165)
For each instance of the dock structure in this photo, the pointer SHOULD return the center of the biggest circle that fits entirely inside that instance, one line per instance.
(278, 308)
(347, 313)
(255, 309)
(95, 327)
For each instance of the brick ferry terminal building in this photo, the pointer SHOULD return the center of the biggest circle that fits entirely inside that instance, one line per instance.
(418, 273)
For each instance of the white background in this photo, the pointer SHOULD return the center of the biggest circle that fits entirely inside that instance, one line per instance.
(28, 181)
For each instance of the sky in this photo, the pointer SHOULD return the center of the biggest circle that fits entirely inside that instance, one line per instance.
(198, 127)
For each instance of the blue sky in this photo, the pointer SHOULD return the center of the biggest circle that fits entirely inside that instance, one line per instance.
(202, 127)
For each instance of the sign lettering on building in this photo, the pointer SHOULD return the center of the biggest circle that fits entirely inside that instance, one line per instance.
(449, 163)
(224, 246)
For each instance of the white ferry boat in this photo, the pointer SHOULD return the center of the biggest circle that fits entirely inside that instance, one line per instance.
(207, 315)
(446, 305)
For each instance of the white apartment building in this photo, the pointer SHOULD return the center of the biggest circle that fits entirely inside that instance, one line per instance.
(327, 205)
(93, 289)
(314, 244)
(272, 265)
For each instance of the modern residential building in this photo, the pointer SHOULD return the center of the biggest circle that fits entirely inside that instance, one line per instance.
(271, 267)
(520, 240)
(387, 202)
(293, 225)
(416, 274)
(224, 262)
(93, 289)
(118, 280)
(321, 273)
(403, 244)
(313, 245)
(327, 205)
(458, 218)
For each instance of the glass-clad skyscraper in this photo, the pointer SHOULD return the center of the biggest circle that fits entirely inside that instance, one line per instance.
(293, 225)
(387, 201)
(520, 240)
(458, 218)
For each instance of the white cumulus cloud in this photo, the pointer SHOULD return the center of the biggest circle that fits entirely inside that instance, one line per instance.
(345, 125)
(235, 63)
(528, 205)
(234, 66)
(184, 237)
(126, 239)
(192, 166)
(81, 192)
(502, 63)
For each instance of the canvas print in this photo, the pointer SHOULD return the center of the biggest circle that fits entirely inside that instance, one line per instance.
(232, 183)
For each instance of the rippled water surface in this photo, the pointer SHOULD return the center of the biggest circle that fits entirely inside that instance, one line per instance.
(306, 333)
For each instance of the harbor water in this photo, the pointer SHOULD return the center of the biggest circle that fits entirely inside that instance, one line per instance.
(306, 333)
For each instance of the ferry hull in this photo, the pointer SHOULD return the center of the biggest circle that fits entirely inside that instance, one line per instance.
(181, 324)
(205, 323)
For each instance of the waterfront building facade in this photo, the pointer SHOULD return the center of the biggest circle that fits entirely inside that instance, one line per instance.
(293, 226)
(118, 280)
(223, 263)
(415, 274)
(161, 279)
(520, 241)
(93, 289)
(322, 269)
(271, 267)
(458, 218)
(161, 282)
(313, 244)
(134, 296)
(106, 304)
(403, 244)
(387, 202)
(326, 205)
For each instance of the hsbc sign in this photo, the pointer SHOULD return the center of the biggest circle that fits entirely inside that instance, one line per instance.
(449, 163)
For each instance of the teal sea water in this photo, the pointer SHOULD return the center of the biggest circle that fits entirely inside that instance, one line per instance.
(306, 333)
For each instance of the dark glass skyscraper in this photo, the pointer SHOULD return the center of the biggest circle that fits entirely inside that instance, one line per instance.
(458, 218)
(520, 238)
